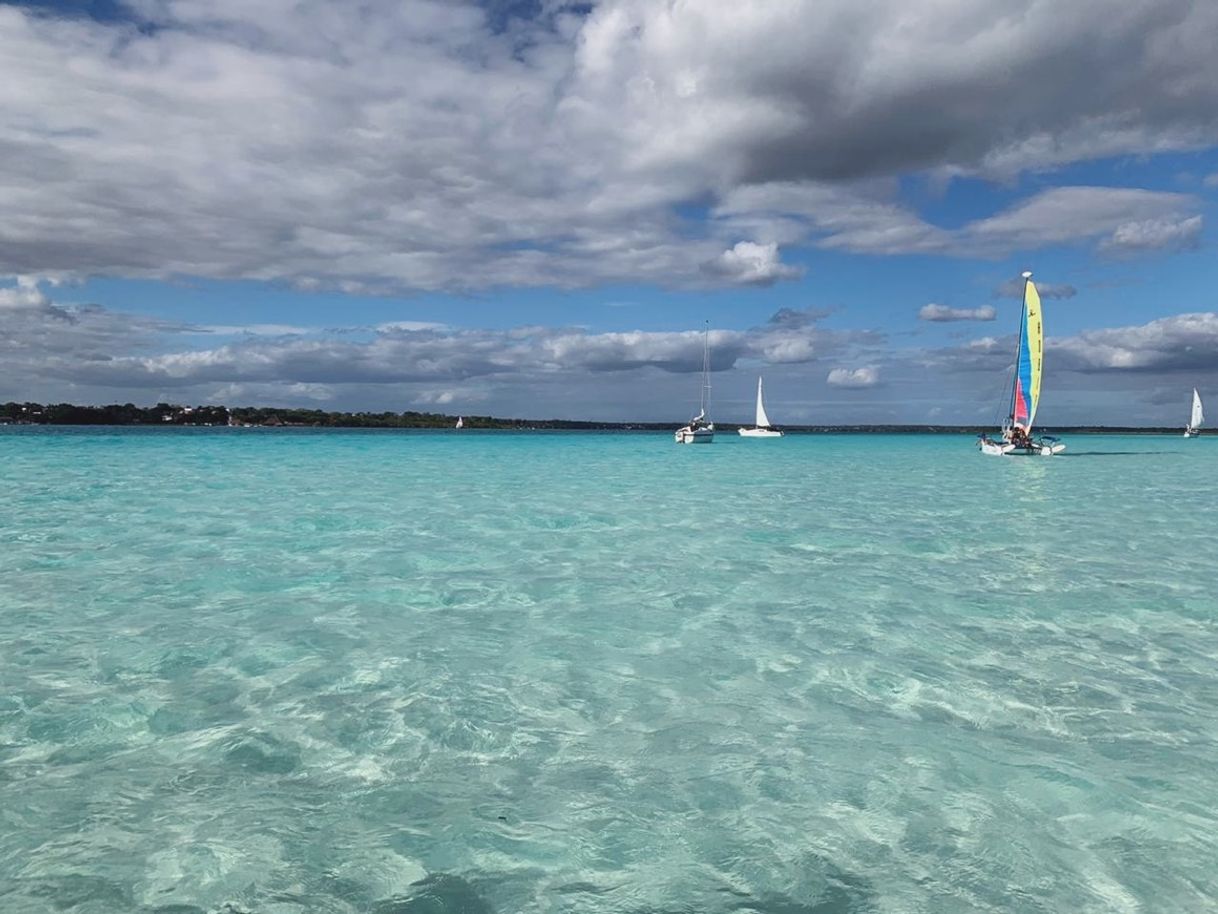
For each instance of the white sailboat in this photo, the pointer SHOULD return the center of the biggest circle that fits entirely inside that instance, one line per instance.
(1195, 420)
(1025, 394)
(700, 430)
(460, 422)
(761, 427)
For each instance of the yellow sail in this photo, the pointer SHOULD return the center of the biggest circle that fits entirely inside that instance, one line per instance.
(1031, 354)
(1036, 343)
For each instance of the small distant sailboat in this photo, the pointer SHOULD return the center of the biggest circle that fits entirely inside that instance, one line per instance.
(1195, 420)
(1025, 394)
(700, 430)
(460, 422)
(761, 428)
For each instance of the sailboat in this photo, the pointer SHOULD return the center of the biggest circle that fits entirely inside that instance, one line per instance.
(761, 428)
(1195, 420)
(1025, 394)
(460, 422)
(700, 430)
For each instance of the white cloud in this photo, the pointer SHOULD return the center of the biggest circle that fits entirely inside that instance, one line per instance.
(1065, 215)
(104, 350)
(255, 329)
(749, 263)
(860, 220)
(1156, 235)
(399, 145)
(1182, 342)
(867, 376)
(85, 353)
(25, 295)
(942, 313)
(409, 326)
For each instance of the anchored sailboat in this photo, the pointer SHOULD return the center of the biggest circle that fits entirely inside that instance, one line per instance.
(1195, 420)
(700, 430)
(1025, 395)
(762, 427)
(460, 422)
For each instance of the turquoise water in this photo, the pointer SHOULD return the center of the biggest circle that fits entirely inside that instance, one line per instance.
(272, 671)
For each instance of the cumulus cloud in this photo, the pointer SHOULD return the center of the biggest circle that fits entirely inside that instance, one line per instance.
(94, 349)
(1156, 235)
(1182, 342)
(795, 318)
(27, 296)
(1064, 215)
(409, 326)
(384, 146)
(867, 376)
(749, 263)
(942, 313)
(861, 221)
(1159, 349)
(254, 329)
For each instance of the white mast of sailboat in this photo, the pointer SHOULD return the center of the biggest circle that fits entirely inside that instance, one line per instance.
(700, 431)
(706, 384)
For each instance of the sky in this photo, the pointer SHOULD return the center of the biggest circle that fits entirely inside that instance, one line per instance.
(534, 209)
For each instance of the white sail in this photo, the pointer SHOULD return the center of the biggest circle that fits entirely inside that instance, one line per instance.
(1198, 416)
(763, 421)
(460, 422)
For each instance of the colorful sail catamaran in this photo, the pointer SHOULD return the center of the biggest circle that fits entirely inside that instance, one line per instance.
(1017, 436)
(1197, 417)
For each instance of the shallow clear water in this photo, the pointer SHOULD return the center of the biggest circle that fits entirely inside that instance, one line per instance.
(275, 671)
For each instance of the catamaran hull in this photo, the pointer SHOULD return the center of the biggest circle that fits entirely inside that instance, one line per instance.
(1041, 450)
(995, 449)
(694, 436)
(759, 433)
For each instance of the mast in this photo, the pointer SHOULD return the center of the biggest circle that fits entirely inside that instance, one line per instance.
(1023, 323)
(706, 386)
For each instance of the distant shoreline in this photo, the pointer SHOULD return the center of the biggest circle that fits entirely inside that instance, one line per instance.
(174, 416)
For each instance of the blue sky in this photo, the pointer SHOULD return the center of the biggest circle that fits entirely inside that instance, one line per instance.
(531, 209)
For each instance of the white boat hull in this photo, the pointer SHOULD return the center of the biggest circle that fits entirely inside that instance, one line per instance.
(759, 432)
(689, 435)
(1191, 433)
(1006, 449)
(1036, 450)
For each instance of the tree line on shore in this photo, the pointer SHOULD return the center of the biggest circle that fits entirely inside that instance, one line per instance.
(169, 414)
(212, 415)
